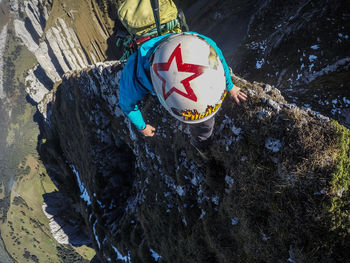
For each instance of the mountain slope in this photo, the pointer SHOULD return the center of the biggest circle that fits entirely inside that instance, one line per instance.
(277, 190)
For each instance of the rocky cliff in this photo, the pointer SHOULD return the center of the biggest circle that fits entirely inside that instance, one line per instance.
(62, 36)
(300, 47)
(277, 190)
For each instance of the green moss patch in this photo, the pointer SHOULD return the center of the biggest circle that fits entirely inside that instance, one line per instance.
(340, 201)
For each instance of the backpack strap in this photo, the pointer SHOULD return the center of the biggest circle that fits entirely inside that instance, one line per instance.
(155, 7)
(182, 20)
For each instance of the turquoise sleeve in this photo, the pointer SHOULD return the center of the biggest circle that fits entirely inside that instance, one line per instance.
(136, 118)
(130, 94)
(229, 83)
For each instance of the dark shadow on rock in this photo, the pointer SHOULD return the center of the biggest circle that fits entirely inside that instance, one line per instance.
(109, 159)
(39, 120)
(41, 75)
(61, 212)
(29, 26)
(31, 101)
(211, 19)
(113, 52)
(59, 206)
(95, 260)
(54, 60)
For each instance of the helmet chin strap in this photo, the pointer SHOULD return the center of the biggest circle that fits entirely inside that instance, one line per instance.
(155, 7)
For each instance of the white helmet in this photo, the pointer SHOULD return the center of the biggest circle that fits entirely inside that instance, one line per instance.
(188, 77)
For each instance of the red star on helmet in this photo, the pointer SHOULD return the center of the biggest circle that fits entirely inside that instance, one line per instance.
(197, 70)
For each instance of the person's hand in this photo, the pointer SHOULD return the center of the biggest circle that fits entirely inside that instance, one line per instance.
(148, 131)
(237, 94)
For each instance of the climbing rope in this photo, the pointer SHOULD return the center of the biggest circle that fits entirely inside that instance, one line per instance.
(130, 43)
(127, 43)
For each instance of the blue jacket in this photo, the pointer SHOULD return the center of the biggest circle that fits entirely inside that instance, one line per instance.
(135, 81)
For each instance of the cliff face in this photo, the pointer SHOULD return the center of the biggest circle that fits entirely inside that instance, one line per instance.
(277, 190)
(63, 36)
(301, 47)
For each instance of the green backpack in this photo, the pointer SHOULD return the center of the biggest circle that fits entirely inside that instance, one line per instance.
(137, 15)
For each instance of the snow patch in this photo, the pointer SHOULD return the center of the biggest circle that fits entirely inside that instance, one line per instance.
(234, 221)
(257, 46)
(330, 68)
(346, 101)
(311, 66)
(340, 192)
(202, 214)
(217, 16)
(180, 190)
(155, 255)
(132, 133)
(84, 193)
(275, 105)
(227, 121)
(96, 237)
(229, 180)
(273, 144)
(126, 259)
(215, 199)
(260, 63)
(100, 203)
(236, 131)
(263, 114)
(149, 153)
(322, 192)
(312, 58)
(291, 258)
